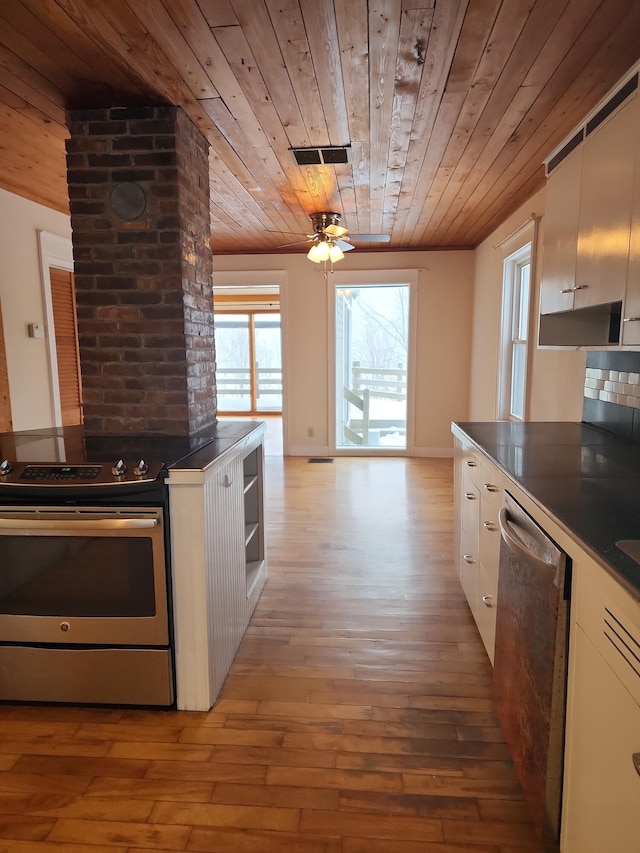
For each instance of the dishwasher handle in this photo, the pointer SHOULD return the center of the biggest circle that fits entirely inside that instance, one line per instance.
(514, 543)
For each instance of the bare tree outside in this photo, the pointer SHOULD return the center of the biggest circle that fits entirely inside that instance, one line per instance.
(381, 320)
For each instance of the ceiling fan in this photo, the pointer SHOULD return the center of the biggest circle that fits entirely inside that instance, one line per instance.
(330, 240)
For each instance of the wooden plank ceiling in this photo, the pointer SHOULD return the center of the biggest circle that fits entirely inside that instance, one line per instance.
(448, 106)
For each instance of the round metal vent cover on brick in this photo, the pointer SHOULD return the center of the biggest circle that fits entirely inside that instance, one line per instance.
(128, 200)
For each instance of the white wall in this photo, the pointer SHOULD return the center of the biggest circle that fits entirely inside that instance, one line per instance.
(457, 346)
(22, 303)
(445, 301)
(556, 377)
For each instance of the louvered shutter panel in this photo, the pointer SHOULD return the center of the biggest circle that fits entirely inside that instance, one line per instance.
(66, 332)
(5, 402)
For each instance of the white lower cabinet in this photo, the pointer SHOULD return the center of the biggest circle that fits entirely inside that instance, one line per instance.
(219, 565)
(602, 797)
(478, 501)
(601, 779)
(602, 765)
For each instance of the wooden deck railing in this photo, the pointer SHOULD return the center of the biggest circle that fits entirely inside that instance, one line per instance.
(236, 382)
(389, 383)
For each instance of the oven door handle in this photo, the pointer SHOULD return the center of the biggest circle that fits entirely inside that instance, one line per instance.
(77, 524)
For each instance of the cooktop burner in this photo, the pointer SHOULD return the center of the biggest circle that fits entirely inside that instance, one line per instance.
(65, 456)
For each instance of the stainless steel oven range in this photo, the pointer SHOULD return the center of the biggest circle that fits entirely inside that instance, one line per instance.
(85, 582)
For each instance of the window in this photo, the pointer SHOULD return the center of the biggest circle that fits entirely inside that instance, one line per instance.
(248, 353)
(516, 297)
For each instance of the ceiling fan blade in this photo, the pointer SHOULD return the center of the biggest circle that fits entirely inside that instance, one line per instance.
(343, 245)
(370, 238)
(295, 243)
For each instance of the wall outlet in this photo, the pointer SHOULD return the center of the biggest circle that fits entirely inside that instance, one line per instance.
(310, 432)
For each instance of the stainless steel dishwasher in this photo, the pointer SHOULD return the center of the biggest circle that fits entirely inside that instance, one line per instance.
(530, 669)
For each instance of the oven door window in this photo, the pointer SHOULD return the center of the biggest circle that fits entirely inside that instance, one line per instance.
(76, 576)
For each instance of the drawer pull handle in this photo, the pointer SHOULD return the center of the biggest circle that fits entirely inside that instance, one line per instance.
(472, 463)
(486, 600)
(630, 319)
(470, 496)
(469, 558)
(490, 487)
(489, 525)
(636, 762)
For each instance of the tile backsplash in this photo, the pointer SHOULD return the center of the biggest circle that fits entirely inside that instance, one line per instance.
(613, 386)
(612, 392)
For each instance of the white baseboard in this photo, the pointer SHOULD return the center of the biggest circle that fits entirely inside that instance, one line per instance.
(434, 452)
(303, 450)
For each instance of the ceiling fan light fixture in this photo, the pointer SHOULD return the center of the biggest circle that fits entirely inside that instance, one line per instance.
(323, 250)
(314, 254)
(328, 245)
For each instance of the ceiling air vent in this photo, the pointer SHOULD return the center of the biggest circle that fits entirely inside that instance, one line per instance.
(321, 156)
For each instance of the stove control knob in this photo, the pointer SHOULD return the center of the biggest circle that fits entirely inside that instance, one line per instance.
(141, 468)
(119, 469)
(5, 468)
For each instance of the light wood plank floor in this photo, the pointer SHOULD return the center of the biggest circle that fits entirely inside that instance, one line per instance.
(357, 716)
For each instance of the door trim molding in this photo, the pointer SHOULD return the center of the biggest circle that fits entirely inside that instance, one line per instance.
(54, 251)
(410, 278)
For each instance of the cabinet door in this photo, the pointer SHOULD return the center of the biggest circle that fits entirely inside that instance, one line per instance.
(631, 315)
(606, 192)
(562, 206)
(602, 786)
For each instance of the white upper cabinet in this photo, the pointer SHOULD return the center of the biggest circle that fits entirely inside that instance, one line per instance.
(562, 209)
(588, 217)
(606, 192)
(631, 314)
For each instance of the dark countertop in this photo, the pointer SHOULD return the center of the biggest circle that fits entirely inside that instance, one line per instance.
(587, 479)
(73, 446)
(225, 436)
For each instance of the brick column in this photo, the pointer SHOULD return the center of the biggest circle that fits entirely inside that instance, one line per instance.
(139, 193)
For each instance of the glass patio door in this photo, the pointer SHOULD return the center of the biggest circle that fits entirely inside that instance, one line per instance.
(371, 358)
(249, 362)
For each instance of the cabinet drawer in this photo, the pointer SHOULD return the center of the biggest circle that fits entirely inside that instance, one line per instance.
(487, 480)
(470, 506)
(485, 610)
(489, 538)
(469, 563)
(470, 460)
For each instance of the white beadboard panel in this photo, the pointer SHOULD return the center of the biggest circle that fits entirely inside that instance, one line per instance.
(224, 569)
(189, 596)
